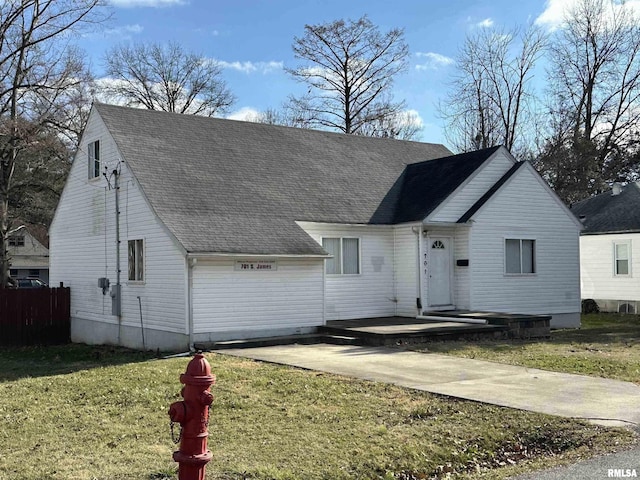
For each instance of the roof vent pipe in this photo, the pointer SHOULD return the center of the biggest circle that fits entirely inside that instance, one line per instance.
(616, 188)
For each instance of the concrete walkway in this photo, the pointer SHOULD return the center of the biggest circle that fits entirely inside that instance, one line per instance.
(603, 401)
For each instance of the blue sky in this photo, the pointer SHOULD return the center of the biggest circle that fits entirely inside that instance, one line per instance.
(252, 39)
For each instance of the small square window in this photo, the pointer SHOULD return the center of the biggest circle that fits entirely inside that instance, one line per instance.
(346, 256)
(520, 256)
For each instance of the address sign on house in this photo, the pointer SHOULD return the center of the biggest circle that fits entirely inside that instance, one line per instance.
(256, 265)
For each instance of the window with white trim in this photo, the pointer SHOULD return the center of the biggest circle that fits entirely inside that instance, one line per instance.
(622, 258)
(346, 255)
(93, 159)
(136, 260)
(520, 256)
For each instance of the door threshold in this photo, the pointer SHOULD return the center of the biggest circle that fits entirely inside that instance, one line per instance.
(439, 308)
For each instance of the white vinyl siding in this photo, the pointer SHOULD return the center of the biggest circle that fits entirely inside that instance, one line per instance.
(230, 303)
(461, 274)
(371, 293)
(525, 209)
(406, 269)
(467, 194)
(622, 258)
(598, 267)
(83, 248)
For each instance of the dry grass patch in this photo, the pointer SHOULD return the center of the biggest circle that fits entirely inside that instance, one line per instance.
(101, 413)
(607, 345)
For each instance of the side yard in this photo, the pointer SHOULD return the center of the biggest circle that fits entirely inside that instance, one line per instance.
(607, 345)
(101, 413)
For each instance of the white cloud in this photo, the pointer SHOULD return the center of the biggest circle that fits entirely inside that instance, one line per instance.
(433, 61)
(486, 23)
(413, 118)
(553, 14)
(247, 114)
(555, 10)
(146, 3)
(252, 67)
(124, 31)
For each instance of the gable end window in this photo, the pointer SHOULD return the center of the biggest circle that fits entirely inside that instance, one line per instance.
(94, 159)
(622, 258)
(16, 241)
(346, 256)
(136, 260)
(520, 256)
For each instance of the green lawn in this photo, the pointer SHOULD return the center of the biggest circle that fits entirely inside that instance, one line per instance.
(607, 345)
(78, 412)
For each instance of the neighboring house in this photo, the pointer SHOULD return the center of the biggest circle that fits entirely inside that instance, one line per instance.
(610, 248)
(233, 230)
(28, 252)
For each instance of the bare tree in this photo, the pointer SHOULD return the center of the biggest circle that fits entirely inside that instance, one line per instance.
(39, 178)
(349, 68)
(287, 117)
(166, 77)
(595, 100)
(491, 99)
(404, 125)
(37, 67)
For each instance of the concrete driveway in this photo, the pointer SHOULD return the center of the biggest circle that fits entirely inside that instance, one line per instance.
(599, 400)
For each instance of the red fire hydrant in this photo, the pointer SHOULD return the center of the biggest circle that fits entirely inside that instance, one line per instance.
(193, 416)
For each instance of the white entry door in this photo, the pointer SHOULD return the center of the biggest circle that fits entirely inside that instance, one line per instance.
(439, 271)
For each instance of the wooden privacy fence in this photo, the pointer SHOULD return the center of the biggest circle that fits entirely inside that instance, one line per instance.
(34, 316)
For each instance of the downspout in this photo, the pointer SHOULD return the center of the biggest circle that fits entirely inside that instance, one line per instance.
(417, 230)
(191, 263)
(324, 293)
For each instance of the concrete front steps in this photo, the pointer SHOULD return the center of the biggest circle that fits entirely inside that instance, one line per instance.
(401, 331)
(431, 326)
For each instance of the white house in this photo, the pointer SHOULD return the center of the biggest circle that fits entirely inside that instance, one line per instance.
(28, 252)
(610, 248)
(234, 230)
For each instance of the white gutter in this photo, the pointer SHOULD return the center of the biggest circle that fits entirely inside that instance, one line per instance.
(194, 255)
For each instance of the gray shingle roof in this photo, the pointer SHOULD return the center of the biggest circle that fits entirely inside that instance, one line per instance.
(226, 186)
(607, 213)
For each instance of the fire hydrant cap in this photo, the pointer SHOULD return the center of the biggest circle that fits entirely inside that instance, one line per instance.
(198, 372)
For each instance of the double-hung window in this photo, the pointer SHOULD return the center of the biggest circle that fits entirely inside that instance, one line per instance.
(622, 258)
(520, 256)
(136, 260)
(94, 159)
(346, 255)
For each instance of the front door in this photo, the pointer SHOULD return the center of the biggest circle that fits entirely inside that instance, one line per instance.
(439, 272)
